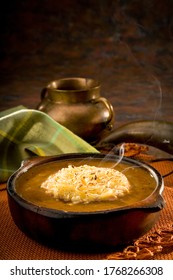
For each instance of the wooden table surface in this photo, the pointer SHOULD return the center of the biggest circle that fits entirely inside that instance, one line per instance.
(126, 46)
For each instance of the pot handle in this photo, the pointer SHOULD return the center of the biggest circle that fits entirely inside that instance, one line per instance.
(109, 107)
(43, 93)
(160, 203)
(150, 205)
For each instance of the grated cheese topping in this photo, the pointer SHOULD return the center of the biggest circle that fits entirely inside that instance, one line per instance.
(85, 184)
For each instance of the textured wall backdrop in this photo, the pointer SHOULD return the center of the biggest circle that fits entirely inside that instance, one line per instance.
(127, 45)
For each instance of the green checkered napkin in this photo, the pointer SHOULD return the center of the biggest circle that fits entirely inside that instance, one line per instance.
(26, 132)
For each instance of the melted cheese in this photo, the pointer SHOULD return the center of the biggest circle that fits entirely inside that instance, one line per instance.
(85, 184)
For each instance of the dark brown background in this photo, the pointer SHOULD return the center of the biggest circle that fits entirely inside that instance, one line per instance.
(127, 45)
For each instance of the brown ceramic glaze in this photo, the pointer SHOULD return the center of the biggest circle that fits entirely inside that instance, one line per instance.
(92, 230)
(76, 103)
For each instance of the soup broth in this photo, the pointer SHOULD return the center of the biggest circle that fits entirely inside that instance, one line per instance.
(28, 186)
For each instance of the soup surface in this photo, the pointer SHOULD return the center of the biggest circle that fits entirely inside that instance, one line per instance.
(28, 185)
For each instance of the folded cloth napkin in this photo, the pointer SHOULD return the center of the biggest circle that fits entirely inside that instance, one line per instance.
(27, 132)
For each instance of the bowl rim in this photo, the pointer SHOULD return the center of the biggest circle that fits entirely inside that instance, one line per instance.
(154, 201)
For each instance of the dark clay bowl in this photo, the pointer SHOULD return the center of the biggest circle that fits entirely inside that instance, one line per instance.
(101, 229)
